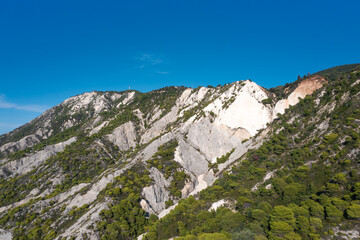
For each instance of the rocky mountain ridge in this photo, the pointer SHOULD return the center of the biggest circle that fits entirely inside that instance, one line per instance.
(67, 167)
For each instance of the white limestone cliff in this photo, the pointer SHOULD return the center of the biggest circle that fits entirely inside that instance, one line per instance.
(225, 119)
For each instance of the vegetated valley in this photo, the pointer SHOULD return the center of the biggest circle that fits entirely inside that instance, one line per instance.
(229, 162)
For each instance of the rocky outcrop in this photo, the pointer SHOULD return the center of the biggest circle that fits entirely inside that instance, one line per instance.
(26, 164)
(206, 122)
(23, 143)
(191, 159)
(5, 235)
(124, 136)
(306, 87)
(241, 107)
(157, 194)
(214, 139)
(98, 128)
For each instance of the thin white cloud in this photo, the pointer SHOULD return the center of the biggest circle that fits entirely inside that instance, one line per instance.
(24, 107)
(149, 61)
(159, 72)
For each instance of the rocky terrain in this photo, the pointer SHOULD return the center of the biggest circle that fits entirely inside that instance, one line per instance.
(105, 157)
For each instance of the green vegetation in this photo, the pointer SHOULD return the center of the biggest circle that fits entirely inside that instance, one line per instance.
(16, 188)
(316, 184)
(225, 157)
(125, 219)
(61, 137)
(82, 161)
(336, 73)
(267, 101)
(125, 116)
(163, 160)
(311, 152)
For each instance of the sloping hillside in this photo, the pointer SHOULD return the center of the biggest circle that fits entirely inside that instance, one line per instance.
(302, 182)
(108, 165)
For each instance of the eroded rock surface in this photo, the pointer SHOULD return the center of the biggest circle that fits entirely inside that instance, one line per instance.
(206, 123)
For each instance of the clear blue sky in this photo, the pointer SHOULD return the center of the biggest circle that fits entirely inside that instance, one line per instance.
(51, 50)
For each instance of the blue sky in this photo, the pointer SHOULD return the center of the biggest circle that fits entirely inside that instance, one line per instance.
(51, 50)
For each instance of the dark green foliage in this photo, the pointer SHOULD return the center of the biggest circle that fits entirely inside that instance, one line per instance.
(164, 97)
(282, 214)
(16, 188)
(224, 158)
(331, 138)
(333, 214)
(353, 212)
(125, 218)
(125, 116)
(163, 160)
(336, 73)
(33, 225)
(61, 137)
(245, 234)
(82, 161)
(267, 101)
(214, 236)
(315, 183)
(195, 221)
(310, 153)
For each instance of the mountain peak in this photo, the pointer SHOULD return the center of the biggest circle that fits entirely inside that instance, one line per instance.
(100, 159)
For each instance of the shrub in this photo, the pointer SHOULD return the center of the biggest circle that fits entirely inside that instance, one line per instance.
(353, 212)
(316, 223)
(245, 234)
(333, 214)
(214, 236)
(331, 138)
(282, 214)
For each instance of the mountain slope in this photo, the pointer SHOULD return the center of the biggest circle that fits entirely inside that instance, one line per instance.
(108, 164)
(301, 183)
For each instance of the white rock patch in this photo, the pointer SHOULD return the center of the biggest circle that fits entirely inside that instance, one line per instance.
(217, 204)
(267, 177)
(98, 128)
(23, 143)
(26, 164)
(5, 235)
(124, 136)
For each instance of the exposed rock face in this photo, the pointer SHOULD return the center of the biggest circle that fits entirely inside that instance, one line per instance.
(156, 194)
(96, 100)
(23, 143)
(185, 154)
(98, 128)
(350, 234)
(306, 87)
(124, 136)
(267, 177)
(81, 226)
(159, 126)
(5, 235)
(128, 98)
(213, 139)
(206, 123)
(246, 111)
(26, 164)
(217, 204)
(188, 188)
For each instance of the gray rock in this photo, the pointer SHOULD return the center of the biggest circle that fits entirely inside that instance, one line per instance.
(157, 194)
(26, 164)
(124, 136)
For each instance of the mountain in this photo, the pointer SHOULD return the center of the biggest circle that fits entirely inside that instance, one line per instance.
(235, 161)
